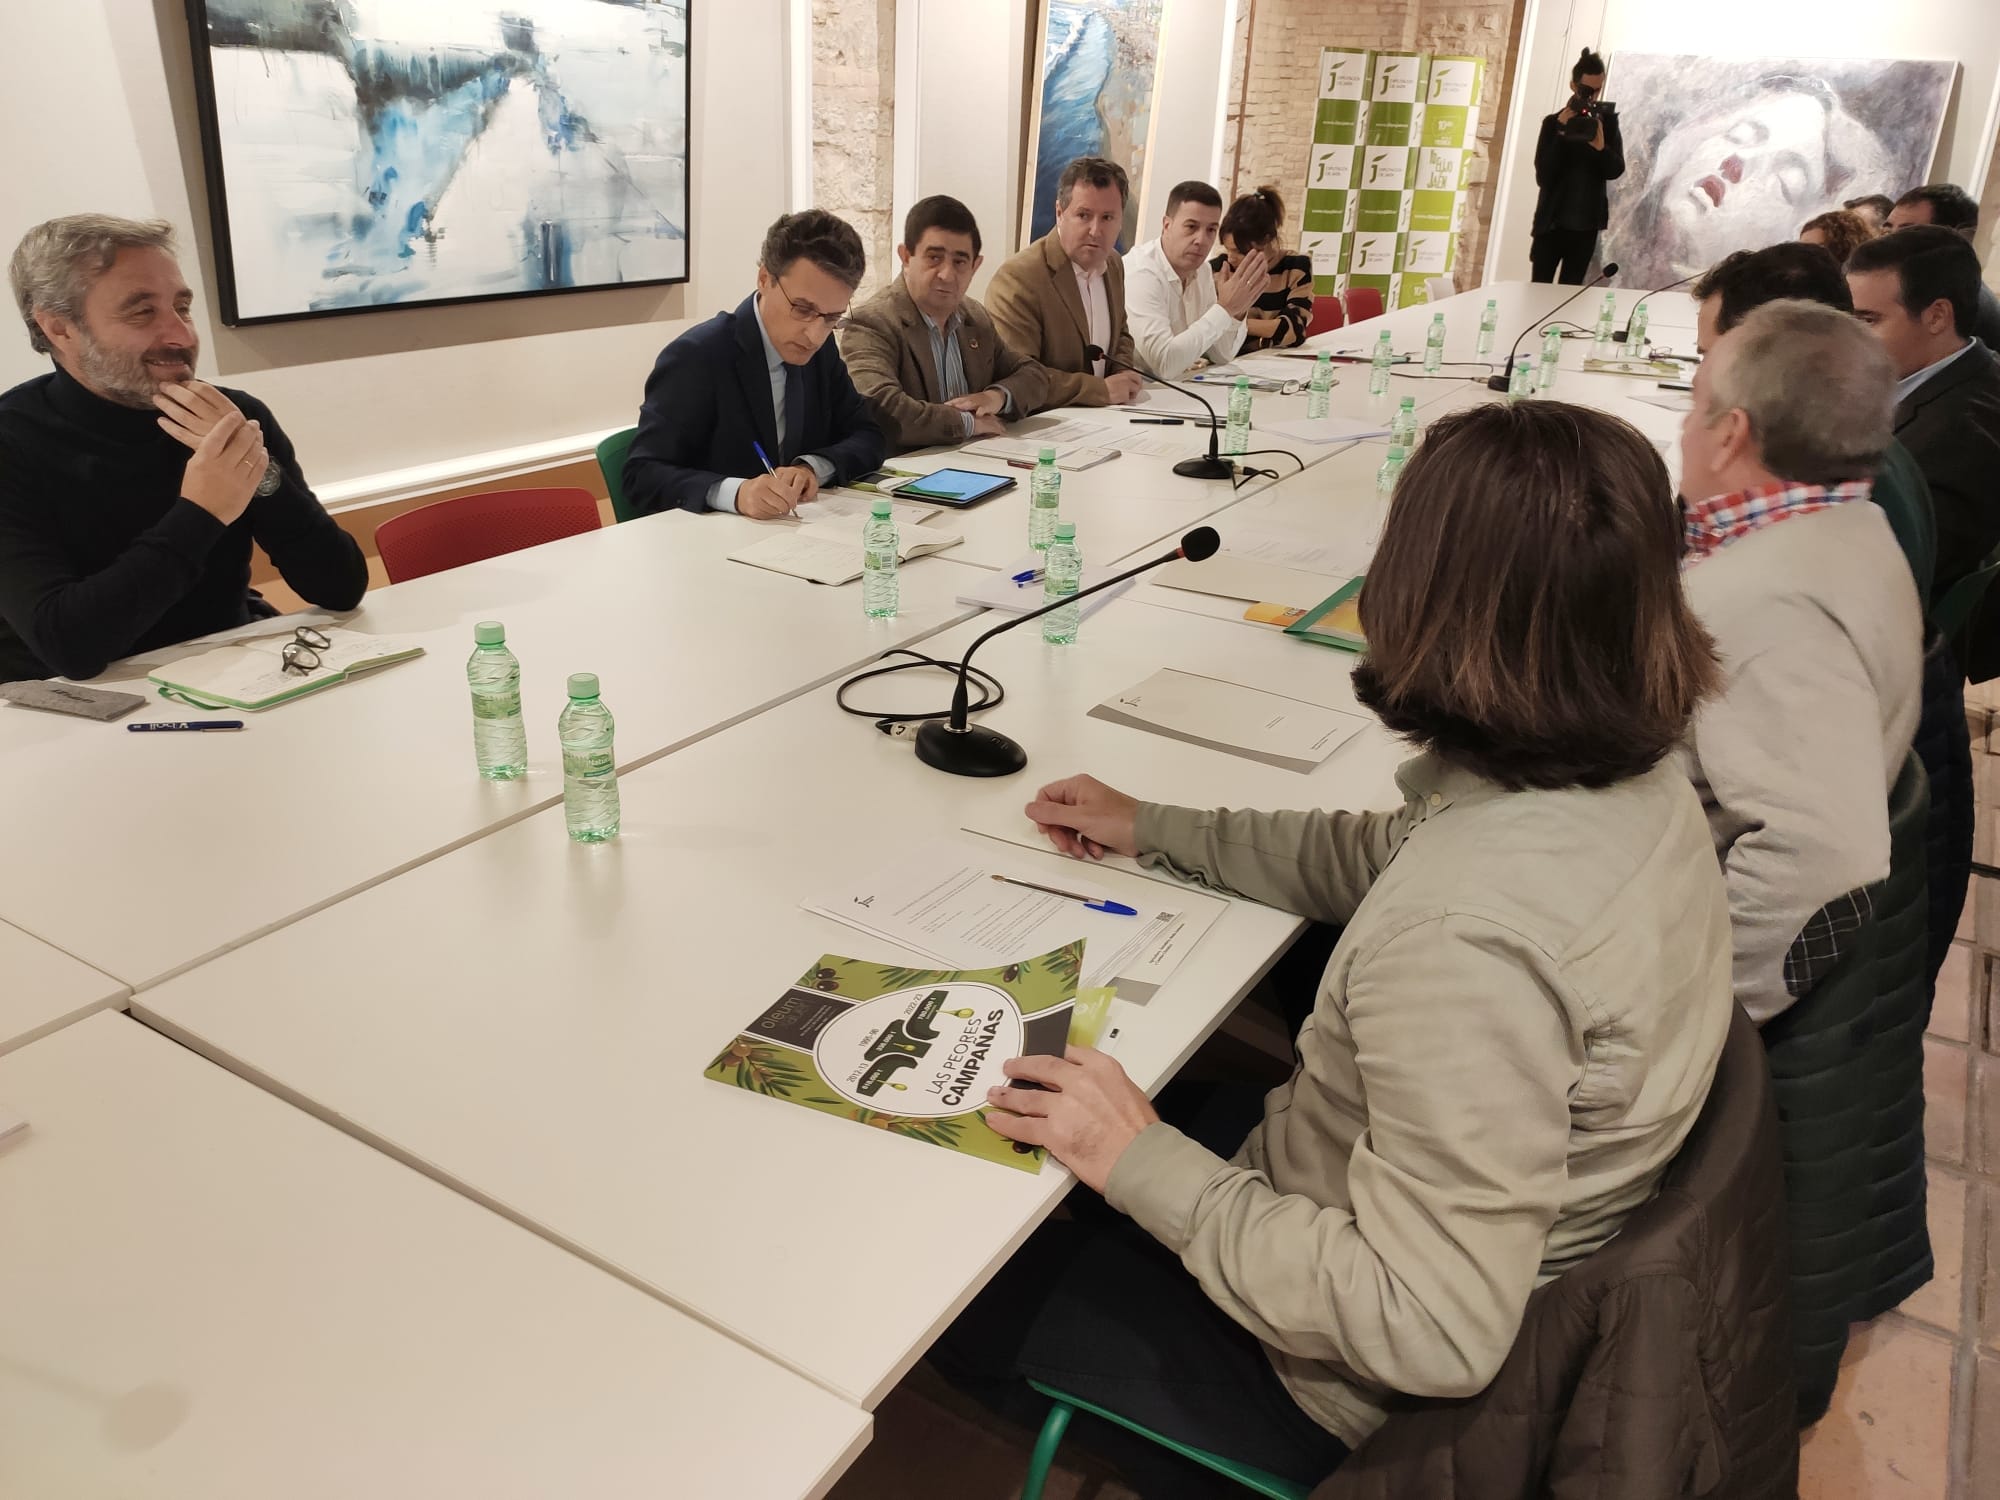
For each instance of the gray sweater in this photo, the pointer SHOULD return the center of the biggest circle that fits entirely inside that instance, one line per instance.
(1821, 638)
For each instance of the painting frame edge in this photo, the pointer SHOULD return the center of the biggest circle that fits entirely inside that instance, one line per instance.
(1037, 83)
(222, 246)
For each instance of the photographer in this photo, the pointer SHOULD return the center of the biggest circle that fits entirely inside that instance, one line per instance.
(1580, 150)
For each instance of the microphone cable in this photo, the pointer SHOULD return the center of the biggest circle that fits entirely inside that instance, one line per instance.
(991, 693)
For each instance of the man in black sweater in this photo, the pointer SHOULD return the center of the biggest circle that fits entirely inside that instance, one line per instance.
(130, 492)
(1571, 170)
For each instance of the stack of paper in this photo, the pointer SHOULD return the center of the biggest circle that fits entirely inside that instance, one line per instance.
(1264, 567)
(943, 902)
(1077, 443)
(830, 551)
(999, 591)
(1325, 429)
(1288, 733)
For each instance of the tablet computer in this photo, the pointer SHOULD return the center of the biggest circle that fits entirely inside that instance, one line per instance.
(958, 487)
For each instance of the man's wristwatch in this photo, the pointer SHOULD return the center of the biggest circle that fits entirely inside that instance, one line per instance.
(274, 475)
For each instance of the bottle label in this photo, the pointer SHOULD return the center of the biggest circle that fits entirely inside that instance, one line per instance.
(502, 705)
(586, 765)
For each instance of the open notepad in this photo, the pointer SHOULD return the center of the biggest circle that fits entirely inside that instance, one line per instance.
(250, 674)
(830, 551)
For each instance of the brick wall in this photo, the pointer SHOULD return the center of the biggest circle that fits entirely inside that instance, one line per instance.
(854, 123)
(1270, 127)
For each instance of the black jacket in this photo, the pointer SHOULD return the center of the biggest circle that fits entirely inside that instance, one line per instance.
(1571, 175)
(1951, 425)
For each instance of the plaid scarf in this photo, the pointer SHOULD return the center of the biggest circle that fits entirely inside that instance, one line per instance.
(1713, 524)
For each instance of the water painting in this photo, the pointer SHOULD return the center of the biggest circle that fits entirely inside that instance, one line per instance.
(1095, 98)
(1735, 154)
(388, 153)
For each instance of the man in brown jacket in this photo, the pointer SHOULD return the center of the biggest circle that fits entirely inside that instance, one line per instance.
(925, 356)
(1065, 294)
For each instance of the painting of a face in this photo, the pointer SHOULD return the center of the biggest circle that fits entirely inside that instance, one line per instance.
(1724, 155)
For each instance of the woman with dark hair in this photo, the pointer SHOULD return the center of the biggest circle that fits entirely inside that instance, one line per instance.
(1579, 150)
(1512, 1039)
(1842, 231)
(1284, 310)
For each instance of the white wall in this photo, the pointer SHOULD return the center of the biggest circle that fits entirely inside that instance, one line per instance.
(1554, 31)
(1189, 94)
(100, 108)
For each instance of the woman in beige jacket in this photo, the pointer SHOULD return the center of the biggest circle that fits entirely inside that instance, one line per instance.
(1511, 1040)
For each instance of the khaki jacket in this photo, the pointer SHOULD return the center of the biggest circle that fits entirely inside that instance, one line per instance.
(887, 346)
(1516, 1032)
(1039, 312)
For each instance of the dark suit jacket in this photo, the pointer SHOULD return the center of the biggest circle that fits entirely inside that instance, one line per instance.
(887, 346)
(1572, 175)
(1039, 311)
(1986, 327)
(1951, 425)
(708, 401)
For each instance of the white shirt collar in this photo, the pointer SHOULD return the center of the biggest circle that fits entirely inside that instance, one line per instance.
(1910, 384)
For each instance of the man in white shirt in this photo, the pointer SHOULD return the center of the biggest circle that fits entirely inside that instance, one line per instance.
(1182, 312)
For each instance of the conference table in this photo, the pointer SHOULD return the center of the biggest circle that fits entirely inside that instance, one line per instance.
(44, 989)
(334, 907)
(206, 1294)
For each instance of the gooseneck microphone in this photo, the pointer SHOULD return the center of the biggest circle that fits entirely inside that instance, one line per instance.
(1624, 334)
(1214, 466)
(965, 749)
(1501, 381)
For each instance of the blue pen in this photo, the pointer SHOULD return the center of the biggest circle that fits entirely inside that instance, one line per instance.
(1091, 903)
(758, 449)
(1033, 575)
(163, 726)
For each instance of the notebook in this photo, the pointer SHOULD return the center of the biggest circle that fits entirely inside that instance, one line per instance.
(1336, 621)
(250, 674)
(830, 551)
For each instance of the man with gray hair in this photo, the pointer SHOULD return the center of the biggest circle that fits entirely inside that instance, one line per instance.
(130, 491)
(1817, 620)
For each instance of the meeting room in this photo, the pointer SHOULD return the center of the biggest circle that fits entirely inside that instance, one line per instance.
(1000, 750)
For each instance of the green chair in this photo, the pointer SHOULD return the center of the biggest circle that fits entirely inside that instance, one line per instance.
(1067, 1406)
(611, 463)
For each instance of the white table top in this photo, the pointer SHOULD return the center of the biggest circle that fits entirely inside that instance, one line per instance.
(207, 1293)
(531, 1018)
(43, 988)
(151, 852)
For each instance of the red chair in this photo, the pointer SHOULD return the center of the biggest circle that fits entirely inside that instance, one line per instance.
(472, 528)
(1363, 302)
(1326, 317)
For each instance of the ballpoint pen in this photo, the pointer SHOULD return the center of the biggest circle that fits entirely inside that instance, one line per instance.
(763, 458)
(1092, 903)
(162, 726)
(1033, 575)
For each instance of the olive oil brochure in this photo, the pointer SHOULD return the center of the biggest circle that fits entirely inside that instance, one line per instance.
(909, 1051)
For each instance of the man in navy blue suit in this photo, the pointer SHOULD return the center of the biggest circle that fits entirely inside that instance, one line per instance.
(767, 375)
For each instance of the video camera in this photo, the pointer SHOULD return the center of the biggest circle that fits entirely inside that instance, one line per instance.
(1587, 111)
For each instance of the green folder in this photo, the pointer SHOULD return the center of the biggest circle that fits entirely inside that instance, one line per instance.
(250, 675)
(1335, 621)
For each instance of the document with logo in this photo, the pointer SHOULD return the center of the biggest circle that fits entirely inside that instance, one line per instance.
(908, 1051)
(1289, 733)
(944, 902)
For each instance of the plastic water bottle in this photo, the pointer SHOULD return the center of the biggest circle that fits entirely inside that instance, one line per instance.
(1385, 484)
(590, 768)
(1552, 349)
(1636, 338)
(1522, 382)
(1403, 431)
(1320, 394)
(1044, 501)
(1378, 373)
(1607, 324)
(1489, 324)
(1236, 437)
(1064, 576)
(499, 738)
(1434, 345)
(878, 563)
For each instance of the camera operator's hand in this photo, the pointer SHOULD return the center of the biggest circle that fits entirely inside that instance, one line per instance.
(1565, 115)
(1597, 141)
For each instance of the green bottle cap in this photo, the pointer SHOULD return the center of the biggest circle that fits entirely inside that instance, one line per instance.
(1065, 531)
(1409, 403)
(1437, 317)
(489, 633)
(582, 686)
(880, 510)
(1048, 455)
(1326, 356)
(1384, 338)
(1242, 382)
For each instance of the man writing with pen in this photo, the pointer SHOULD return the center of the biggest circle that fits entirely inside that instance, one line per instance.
(753, 410)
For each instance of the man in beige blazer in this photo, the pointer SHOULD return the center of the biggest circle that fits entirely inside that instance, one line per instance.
(925, 356)
(1066, 292)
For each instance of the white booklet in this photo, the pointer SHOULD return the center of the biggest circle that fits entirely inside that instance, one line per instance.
(943, 902)
(1326, 429)
(830, 551)
(999, 591)
(251, 674)
(1288, 733)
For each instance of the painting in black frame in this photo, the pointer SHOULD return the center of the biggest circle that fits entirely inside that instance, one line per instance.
(368, 154)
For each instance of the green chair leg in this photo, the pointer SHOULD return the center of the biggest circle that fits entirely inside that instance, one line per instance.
(1044, 1455)
(1260, 1481)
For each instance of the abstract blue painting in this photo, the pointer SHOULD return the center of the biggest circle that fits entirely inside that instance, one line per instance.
(1099, 59)
(375, 153)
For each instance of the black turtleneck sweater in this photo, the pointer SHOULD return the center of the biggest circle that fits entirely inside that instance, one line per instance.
(100, 557)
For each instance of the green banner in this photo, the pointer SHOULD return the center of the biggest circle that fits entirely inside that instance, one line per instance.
(1338, 127)
(1439, 165)
(1397, 83)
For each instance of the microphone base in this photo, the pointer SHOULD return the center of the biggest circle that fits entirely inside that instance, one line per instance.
(1205, 468)
(1500, 383)
(973, 751)
(1621, 336)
